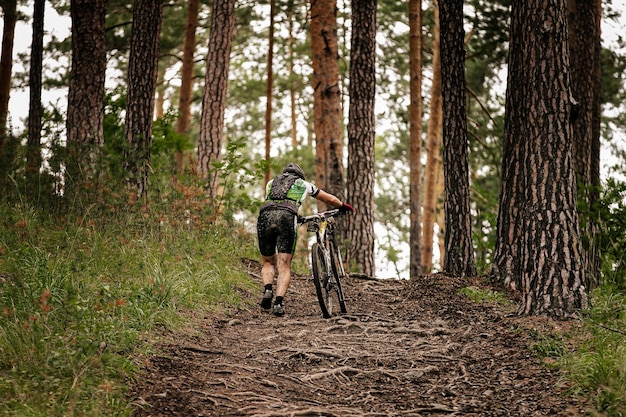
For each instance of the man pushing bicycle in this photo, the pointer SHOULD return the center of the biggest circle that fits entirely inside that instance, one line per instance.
(277, 229)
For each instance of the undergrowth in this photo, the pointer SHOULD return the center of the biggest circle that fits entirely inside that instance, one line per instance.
(598, 366)
(82, 297)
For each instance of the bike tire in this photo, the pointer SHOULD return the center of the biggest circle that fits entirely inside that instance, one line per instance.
(320, 269)
(339, 273)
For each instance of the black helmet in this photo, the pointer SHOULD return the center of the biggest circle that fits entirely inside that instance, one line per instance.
(294, 169)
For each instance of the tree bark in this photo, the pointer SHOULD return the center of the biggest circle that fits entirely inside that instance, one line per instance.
(142, 76)
(361, 137)
(85, 100)
(585, 45)
(433, 152)
(459, 257)
(216, 86)
(186, 76)
(415, 137)
(268, 93)
(292, 88)
(538, 247)
(326, 98)
(6, 66)
(35, 109)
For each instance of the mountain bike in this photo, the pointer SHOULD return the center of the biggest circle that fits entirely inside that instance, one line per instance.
(326, 263)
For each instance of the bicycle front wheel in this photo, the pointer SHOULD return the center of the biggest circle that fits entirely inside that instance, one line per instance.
(320, 279)
(339, 274)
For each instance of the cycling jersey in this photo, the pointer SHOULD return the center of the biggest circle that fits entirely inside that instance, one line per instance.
(277, 226)
(287, 192)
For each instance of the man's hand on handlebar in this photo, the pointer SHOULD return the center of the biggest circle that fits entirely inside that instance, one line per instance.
(346, 208)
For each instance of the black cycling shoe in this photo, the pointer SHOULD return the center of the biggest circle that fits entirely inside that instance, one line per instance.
(266, 302)
(279, 310)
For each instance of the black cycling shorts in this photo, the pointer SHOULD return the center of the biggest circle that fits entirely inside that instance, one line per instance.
(277, 231)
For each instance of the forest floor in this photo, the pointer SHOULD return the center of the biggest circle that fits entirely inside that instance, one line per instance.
(405, 348)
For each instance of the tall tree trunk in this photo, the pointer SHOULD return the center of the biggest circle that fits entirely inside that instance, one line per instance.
(216, 85)
(459, 257)
(415, 137)
(440, 215)
(6, 66)
(585, 45)
(186, 76)
(538, 247)
(326, 98)
(361, 137)
(292, 88)
(268, 93)
(35, 109)
(433, 152)
(85, 100)
(142, 77)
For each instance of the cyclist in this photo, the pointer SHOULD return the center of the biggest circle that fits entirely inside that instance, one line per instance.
(277, 229)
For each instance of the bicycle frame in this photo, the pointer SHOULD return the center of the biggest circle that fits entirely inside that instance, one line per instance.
(326, 260)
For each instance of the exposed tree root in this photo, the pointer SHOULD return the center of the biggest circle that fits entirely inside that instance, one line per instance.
(406, 349)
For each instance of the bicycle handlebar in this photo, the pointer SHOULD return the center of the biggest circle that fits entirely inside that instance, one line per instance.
(319, 216)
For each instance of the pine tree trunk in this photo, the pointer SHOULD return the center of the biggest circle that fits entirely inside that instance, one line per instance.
(326, 98)
(538, 247)
(186, 76)
(6, 65)
(415, 137)
(433, 152)
(292, 88)
(85, 103)
(216, 85)
(361, 137)
(268, 93)
(35, 108)
(584, 40)
(142, 77)
(459, 257)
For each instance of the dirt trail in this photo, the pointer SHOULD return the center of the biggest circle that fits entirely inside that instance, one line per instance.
(405, 349)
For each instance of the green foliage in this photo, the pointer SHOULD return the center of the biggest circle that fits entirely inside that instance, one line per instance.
(598, 367)
(237, 175)
(549, 347)
(609, 213)
(483, 296)
(613, 66)
(81, 297)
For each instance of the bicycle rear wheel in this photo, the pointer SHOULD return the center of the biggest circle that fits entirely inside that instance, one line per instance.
(320, 279)
(339, 274)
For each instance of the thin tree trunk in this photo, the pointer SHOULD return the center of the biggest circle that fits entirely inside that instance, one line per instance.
(433, 152)
(6, 66)
(35, 109)
(216, 85)
(361, 137)
(142, 77)
(268, 94)
(459, 257)
(415, 137)
(292, 89)
(186, 76)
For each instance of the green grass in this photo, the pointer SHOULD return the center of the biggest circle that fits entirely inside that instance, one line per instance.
(598, 366)
(81, 299)
(483, 296)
